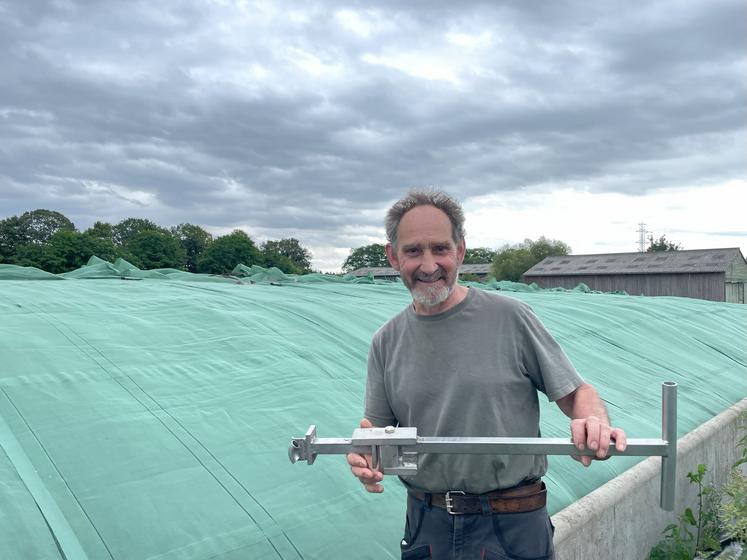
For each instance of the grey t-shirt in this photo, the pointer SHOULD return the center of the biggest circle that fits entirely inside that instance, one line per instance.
(473, 370)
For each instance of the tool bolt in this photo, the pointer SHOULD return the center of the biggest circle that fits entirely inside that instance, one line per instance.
(389, 430)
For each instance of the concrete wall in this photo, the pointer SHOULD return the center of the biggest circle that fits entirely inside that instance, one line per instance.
(622, 519)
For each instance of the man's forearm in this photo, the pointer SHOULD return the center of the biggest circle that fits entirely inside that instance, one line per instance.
(583, 403)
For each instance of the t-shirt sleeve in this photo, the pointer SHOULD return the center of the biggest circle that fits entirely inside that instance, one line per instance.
(544, 360)
(377, 407)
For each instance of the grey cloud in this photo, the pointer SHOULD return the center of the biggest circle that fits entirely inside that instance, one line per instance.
(215, 119)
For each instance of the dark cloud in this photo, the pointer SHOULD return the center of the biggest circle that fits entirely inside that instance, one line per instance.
(303, 116)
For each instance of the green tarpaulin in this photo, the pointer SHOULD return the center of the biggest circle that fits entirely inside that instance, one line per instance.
(147, 414)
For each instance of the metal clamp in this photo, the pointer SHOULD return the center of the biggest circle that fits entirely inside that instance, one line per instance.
(396, 450)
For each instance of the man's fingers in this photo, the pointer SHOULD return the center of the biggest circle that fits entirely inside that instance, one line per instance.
(578, 433)
(621, 440)
(367, 475)
(355, 460)
(604, 441)
(593, 427)
(585, 433)
(585, 460)
(592, 433)
(360, 466)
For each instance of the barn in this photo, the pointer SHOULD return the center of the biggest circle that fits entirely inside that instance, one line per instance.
(481, 270)
(710, 274)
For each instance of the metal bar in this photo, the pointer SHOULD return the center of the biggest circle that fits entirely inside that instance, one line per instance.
(494, 446)
(668, 433)
(530, 446)
(395, 450)
(336, 446)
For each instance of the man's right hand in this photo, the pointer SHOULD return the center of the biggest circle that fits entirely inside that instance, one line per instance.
(360, 465)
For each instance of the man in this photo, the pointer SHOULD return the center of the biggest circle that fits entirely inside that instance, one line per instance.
(465, 362)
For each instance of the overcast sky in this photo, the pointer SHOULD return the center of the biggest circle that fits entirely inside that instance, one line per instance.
(573, 120)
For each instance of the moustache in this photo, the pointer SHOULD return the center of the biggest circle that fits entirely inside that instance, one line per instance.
(438, 275)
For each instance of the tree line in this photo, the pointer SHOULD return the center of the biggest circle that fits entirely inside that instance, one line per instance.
(507, 263)
(48, 240)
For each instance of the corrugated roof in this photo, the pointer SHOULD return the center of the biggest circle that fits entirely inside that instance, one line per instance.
(482, 268)
(669, 262)
(375, 271)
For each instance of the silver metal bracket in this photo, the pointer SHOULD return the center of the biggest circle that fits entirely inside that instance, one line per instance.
(395, 451)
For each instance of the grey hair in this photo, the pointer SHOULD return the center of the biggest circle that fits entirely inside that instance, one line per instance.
(417, 197)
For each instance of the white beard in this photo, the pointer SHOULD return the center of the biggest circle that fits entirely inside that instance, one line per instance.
(431, 296)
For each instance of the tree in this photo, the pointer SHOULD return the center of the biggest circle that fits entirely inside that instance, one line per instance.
(65, 251)
(130, 227)
(290, 248)
(156, 249)
(512, 261)
(10, 238)
(39, 256)
(479, 255)
(38, 226)
(101, 230)
(223, 254)
(661, 244)
(73, 249)
(373, 255)
(544, 247)
(194, 240)
(281, 262)
(34, 227)
(91, 244)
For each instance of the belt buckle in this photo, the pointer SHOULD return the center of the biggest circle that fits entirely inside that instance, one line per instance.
(449, 501)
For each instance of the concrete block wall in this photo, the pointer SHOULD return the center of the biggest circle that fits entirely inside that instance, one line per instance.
(622, 519)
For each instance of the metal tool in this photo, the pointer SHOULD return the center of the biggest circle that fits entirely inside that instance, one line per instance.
(395, 450)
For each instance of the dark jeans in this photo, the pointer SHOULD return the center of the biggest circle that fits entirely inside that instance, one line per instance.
(432, 532)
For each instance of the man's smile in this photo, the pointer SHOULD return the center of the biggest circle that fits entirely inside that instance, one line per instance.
(430, 278)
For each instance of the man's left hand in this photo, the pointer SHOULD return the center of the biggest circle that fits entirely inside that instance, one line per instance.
(593, 433)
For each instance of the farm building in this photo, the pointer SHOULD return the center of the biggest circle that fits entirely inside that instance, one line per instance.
(711, 274)
(378, 272)
(481, 270)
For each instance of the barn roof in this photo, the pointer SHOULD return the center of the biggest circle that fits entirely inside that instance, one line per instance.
(669, 262)
(375, 271)
(379, 271)
(483, 268)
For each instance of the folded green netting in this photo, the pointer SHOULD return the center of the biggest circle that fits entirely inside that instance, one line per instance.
(97, 269)
(156, 415)
(257, 274)
(15, 272)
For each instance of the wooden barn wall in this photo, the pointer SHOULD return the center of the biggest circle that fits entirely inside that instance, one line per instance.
(708, 286)
(735, 292)
(737, 271)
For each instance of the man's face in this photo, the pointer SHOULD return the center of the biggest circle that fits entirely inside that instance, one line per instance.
(427, 257)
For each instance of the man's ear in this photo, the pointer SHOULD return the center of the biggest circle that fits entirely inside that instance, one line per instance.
(461, 250)
(392, 256)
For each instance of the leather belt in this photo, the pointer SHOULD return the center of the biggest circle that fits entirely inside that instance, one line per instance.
(518, 499)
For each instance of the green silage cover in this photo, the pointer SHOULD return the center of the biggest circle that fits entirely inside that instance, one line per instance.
(149, 418)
